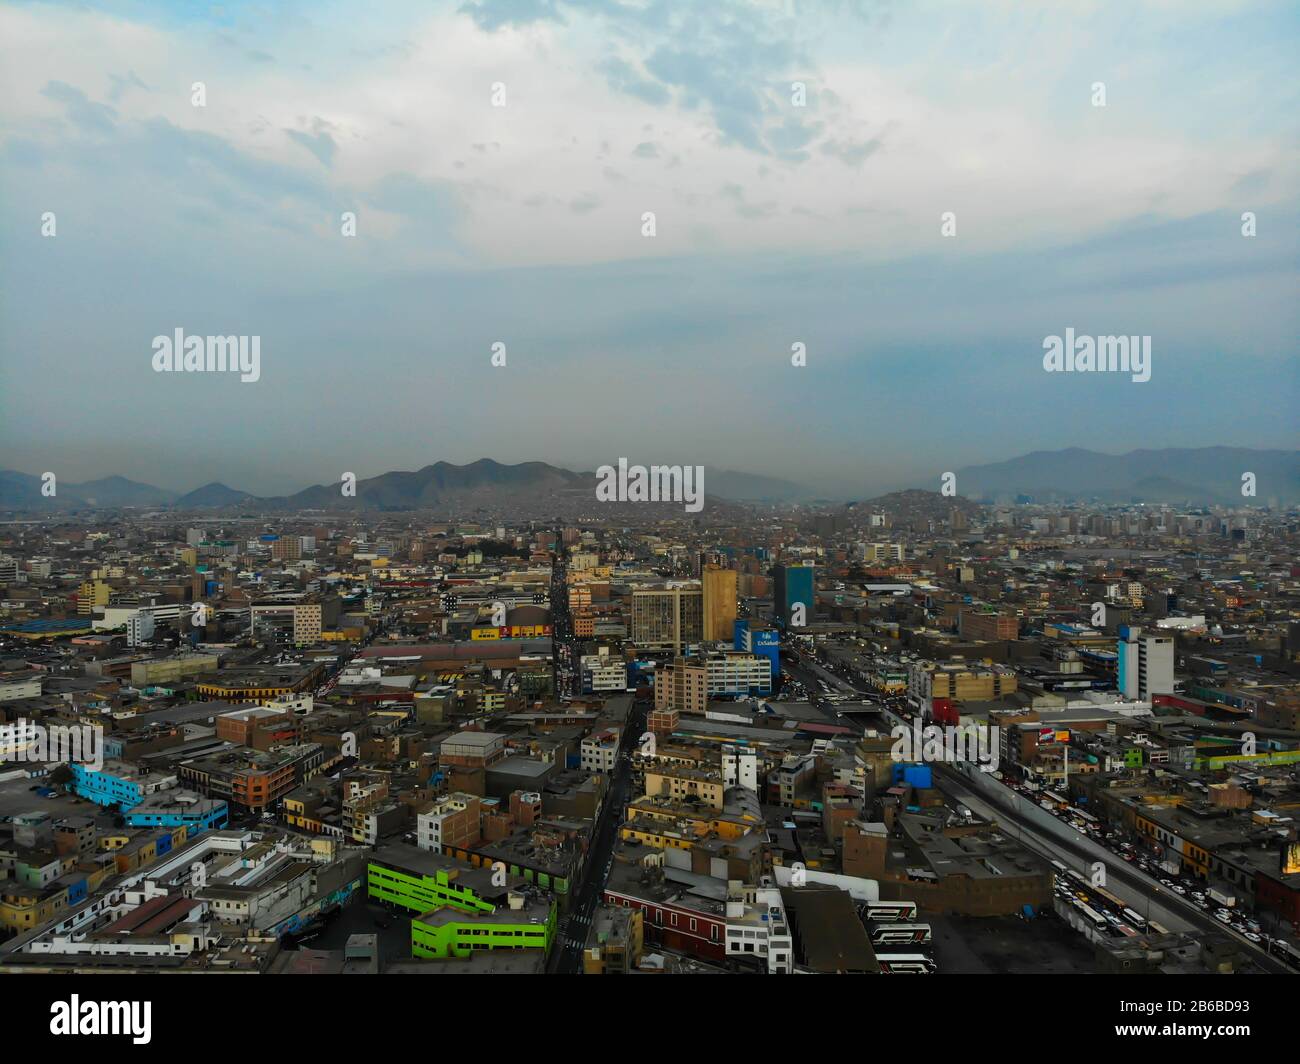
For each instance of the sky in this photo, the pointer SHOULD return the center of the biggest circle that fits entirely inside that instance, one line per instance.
(500, 158)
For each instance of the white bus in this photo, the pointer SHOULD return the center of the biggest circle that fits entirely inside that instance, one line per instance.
(906, 964)
(896, 934)
(1094, 917)
(1135, 919)
(883, 912)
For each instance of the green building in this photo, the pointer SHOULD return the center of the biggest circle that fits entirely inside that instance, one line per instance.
(526, 922)
(422, 881)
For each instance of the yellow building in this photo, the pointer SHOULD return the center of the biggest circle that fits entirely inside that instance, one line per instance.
(720, 609)
(92, 595)
(23, 907)
(679, 782)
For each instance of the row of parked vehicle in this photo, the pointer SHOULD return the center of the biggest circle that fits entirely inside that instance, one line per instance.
(1220, 905)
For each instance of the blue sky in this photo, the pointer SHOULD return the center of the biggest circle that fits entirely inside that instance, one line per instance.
(775, 224)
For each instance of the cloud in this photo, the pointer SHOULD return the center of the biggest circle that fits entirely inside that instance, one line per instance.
(852, 153)
(121, 83)
(320, 144)
(82, 111)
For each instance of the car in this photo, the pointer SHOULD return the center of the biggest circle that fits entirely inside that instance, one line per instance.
(1252, 936)
(1223, 916)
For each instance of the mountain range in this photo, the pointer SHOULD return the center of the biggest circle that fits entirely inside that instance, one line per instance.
(1207, 475)
(1173, 475)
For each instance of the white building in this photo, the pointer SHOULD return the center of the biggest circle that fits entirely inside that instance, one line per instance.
(740, 767)
(601, 672)
(1146, 664)
(600, 751)
(757, 927)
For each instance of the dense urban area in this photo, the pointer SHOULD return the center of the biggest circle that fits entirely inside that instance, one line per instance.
(911, 735)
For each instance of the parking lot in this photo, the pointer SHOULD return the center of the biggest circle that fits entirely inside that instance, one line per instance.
(983, 945)
(17, 797)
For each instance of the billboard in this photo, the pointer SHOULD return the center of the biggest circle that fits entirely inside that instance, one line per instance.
(514, 631)
(1291, 858)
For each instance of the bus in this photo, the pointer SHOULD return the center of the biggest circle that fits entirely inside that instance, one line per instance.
(1093, 916)
(1286, 951)
(1135, 919)
(1087, 818)
(885, 912)
(1156, 929)
(1055, 799)
(894, 934)
(1060, 868)
(1126, 930)
(1118, 903)
(906, 964)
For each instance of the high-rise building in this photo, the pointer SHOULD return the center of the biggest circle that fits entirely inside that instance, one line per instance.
(720, 610)
(793, 584)
(666, 618)
(287, 548)
(1146, 664)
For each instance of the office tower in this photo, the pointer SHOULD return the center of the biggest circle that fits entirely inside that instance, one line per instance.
(1146, 664)
(793, 584)
(287, 548)
(720, 610)
(667, 617)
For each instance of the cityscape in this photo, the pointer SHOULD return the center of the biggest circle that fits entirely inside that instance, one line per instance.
(584, 489)
(914, 734)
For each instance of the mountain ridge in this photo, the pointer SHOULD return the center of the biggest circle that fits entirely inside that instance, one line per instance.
(1166, 475)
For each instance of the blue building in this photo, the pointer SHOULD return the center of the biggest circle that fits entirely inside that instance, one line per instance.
(179, 808)
(765, 642)
(793, 584)
(116, 783)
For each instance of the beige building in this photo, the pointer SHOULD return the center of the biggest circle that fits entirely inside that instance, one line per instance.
(964, 683)
(667, 618)
(683, 686)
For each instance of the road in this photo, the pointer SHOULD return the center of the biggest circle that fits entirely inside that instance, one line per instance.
(1048, 836)
(564, 654)
(566, 954)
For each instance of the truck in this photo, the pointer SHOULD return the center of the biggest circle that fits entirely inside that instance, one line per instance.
(1223, 897)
